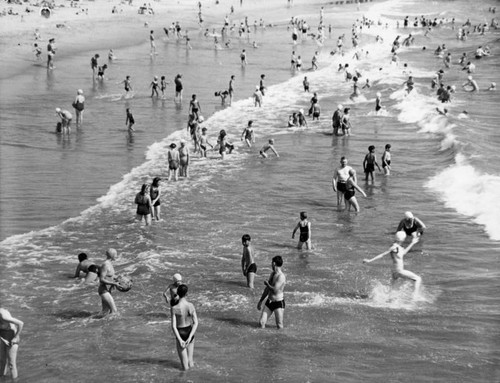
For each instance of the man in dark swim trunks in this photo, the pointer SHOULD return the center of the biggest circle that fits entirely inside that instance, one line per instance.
(340, 178)
(248, 265)
(273, 294)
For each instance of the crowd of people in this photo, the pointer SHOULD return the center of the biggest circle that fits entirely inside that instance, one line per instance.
(184, 320)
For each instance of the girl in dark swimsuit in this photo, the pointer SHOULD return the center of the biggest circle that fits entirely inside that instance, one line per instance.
(155, 194)
(351, 188)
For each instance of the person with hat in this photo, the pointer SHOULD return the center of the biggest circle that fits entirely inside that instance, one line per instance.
(66, 118)
(79, 105)
(183, 159)
(106, 283)
(154, 87)
(170, 293)
(411, 225)
(173, 162)
(155, 194)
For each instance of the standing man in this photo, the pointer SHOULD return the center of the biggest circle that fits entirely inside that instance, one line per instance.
(106, 283)
(340, 178)
(231, 89)
(273, 294)
(178, 87)
(51, 51)
(10, 328)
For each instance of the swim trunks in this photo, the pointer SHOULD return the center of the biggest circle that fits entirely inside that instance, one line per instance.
(386, 163)
(369, 168)
(273, 305)
(173, 164)
(184, 333)
(341, 186)
(252, 268)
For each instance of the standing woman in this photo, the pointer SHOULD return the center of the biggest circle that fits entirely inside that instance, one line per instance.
(79, 105)
(183, 160)
(155, 194)
(346, 122)
(10, 328)
(144, 206)
(351, 187)
(184, 325)
(173, 161)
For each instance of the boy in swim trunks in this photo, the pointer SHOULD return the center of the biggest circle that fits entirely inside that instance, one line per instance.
(266, 147)
(273, 294)
(305, 231)
(204, 142)
(370, 162)
(386, 160)
(248, 266)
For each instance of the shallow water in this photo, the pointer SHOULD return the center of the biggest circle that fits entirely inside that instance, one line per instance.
(342, 321)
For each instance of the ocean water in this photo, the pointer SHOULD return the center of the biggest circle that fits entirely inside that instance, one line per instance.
(59, 197)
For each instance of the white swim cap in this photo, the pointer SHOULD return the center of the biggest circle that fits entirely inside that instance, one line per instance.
(339, 106)
(493, 84)
(469, 78)
(79, 91)
(111, 253)
(183, 141)
(58, 110)
(400, 236)
(379, 94)
(201, 119)
(408, 215)
(177, 277)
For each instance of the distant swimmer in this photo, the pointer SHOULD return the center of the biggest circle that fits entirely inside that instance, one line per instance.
(409, 84)
(170, 293)
(88, 267)
(184, 159)
(155, 195)
(94, 63)
(152, 43)
(79, 106)
(470, 85)
(397, 253)
(129, 121)
(273, 295)
(257, 97)
(178, 87)
(351, 187)
(248, 134)
(493, 86)
(266, 147)
(305, 83)
(411, 225)
(194, 107)
(248, 265)
(10, 330)
(106, 283)
(155, 85)
(66, 118)
(127, 85)
(204, 142)
(339, 179)
(51, 51)
(304, 227)
(386, 160)
(184, 326)
(378, 102)
(144, 205)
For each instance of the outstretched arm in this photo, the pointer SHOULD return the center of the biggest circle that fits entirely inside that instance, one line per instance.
(295, 230)
(378, 256)
(262, 298)
(408, 248)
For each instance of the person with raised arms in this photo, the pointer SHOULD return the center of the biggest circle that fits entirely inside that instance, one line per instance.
(397, 253)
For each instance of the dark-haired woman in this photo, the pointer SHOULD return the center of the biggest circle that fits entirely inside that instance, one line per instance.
(144, 206)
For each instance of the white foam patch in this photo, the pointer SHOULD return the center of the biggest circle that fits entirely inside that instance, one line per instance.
(470, 193)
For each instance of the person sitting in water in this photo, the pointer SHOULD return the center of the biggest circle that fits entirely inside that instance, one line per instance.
(470, 85)
(88, 267)
(411, 225)
(266, 147)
